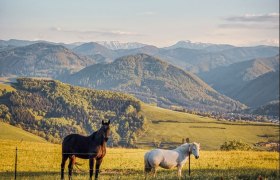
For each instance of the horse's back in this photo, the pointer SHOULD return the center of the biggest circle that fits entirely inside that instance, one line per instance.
(73, 140)
(164, 158)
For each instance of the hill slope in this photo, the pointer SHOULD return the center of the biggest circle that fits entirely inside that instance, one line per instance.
(41, 60)
(9, 132)
(230, 79)
(259, 91)
(153, 80)
(53, 110)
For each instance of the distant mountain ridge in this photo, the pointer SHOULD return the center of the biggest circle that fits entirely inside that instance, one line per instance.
(198, 45)
(154, 81)
(41, 60)
(242, 81)
(227, 79)
(114, 45)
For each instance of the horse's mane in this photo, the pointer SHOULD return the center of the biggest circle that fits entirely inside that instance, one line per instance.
(185, 147)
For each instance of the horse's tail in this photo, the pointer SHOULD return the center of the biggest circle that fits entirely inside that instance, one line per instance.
(148, 166)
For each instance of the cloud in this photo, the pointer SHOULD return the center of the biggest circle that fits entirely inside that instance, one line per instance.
(107, 33)
(252, 21)
(270, 17)
(247, 26)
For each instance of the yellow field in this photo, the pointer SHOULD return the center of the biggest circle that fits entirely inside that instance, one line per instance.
(42, 160)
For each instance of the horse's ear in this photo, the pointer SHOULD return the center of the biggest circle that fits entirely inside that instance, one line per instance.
(108, 122)
(102, 122)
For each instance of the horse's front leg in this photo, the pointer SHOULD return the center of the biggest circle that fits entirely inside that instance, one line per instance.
(97, 166)
(179, 171)
(91, 164)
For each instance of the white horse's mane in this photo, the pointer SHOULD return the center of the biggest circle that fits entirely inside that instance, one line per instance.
(185, 147)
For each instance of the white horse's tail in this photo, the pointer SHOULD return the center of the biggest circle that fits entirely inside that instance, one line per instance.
(148, 166)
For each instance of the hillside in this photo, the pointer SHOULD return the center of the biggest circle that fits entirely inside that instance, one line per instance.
(259, 91)
(230, 79)
(169, 127)
(155, 81)
(53, 110)
(41, 60)
(9, 132)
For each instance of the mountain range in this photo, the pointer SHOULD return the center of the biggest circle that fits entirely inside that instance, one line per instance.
(154, 81)
(237, 72)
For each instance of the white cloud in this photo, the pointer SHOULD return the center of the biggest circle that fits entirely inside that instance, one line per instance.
(270, 17)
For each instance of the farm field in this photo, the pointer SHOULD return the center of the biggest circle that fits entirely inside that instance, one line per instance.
(171, 126)
(42, 161)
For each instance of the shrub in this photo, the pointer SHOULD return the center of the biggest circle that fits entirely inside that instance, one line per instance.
(235, 145)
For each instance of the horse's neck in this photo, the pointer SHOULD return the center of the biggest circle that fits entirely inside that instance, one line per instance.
(99, 136)
(185, 150)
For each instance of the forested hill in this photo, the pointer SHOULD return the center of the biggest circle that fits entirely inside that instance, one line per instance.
(154, 81)
(52, 110)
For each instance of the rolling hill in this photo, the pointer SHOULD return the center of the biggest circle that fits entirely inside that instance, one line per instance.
(52, 110)
(9, 132)
(155, 81)
(41, 60)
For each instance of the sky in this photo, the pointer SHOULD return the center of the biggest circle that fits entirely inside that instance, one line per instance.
(156, 22)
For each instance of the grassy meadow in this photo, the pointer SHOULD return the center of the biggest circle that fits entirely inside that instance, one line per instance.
(42, 161)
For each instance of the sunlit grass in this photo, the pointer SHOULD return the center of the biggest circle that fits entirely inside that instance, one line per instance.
(42, 160)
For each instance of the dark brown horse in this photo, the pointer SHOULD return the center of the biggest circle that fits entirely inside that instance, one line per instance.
(86, 147)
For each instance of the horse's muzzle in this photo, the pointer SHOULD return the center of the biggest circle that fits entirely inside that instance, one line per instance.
(196, 157)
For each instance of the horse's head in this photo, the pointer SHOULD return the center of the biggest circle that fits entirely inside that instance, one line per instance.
(105, 130)
(195, 147)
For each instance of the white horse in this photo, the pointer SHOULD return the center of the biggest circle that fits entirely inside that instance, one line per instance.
(170, 158)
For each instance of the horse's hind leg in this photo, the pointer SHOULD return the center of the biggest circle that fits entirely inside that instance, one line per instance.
(70, 166)
(64, 159)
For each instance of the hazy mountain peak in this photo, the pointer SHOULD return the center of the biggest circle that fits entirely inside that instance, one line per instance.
(199, 45)
(114, 45)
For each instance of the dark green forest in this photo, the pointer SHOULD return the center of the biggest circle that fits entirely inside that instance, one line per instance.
(52, 110)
